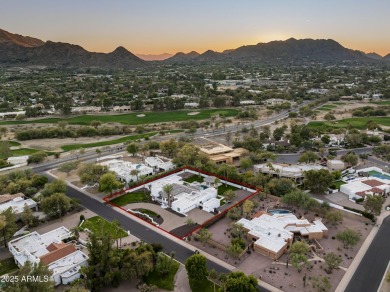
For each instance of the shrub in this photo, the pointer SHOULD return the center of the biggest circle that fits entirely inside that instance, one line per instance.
(365, 214)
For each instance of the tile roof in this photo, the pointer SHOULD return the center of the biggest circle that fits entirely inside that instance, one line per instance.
(58, 252)
(8, 197)
(372, 182)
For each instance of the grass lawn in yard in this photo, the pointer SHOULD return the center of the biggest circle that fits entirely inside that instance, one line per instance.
(194, 178)
(338, 183)
(133, 118)
(358, 123)
(7, 266)
(149, 212)
(223, 188)
(100, 226)
(129, 198)
(206, 286)
(163, 282)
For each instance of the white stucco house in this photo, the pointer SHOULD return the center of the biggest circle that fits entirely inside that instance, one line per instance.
(127, 171)
(64, 260)
(184, 196)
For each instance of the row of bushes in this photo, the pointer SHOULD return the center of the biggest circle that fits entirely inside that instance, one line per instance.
(71, 132)
(364, 213)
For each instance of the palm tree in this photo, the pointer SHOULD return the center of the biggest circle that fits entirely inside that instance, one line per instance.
(75, 232)
(168, 188)
(135, 172)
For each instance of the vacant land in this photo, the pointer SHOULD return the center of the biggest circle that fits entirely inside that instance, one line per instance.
(134, 118)
(100, 226)
(130, 198)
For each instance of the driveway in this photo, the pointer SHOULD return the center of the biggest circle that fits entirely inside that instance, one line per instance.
(171, 221)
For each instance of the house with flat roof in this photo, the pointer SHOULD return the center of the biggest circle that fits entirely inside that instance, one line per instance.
(220, 153)
(127, 171)
(294, 171)
(359, 188)
(64, 260)
(17, 203)
(272, 235)
(184, 196)
(159, 164)
(335, 164)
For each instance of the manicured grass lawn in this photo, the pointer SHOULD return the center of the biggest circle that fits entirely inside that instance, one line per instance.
(132, 119)
(327, 107)
(206, 286)
(25, 151)
(100, 226)
(358, 123)
(149, 212)
(194, 178)
(129, 198)
(163, 282)
(112, 142)
(384, 102)
(8, 266)
(338, 183)
(13, 143)
(223, 188)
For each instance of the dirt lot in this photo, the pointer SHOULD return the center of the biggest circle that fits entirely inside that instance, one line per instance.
(344, 110)
(275, 272)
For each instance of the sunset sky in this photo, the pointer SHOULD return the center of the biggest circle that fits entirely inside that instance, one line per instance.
(156, 26)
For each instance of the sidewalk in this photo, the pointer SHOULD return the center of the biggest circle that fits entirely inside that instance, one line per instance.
(175, 239)
(358, 258)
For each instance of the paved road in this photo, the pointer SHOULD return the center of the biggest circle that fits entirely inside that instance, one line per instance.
(91, 154)
(145, 233)
(368, 275)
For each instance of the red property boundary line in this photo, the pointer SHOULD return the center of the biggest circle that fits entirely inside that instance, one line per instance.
(108, 199)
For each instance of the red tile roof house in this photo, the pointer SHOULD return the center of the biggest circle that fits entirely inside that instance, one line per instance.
(361, 187)
(63, 259)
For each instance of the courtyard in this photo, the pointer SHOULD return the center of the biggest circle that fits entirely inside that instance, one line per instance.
(200, 196)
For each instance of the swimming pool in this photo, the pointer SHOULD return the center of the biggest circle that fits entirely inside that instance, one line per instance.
(378, 174)
(278, 211)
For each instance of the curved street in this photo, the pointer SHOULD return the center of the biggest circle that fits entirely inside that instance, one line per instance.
(370, 271)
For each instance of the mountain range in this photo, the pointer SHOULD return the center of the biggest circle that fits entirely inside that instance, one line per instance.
(17, 50)
(154, 57)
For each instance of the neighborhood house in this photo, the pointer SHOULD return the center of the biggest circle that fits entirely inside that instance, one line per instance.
(184, 196)
(64, 260)
(127, 171)
(273, 234)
